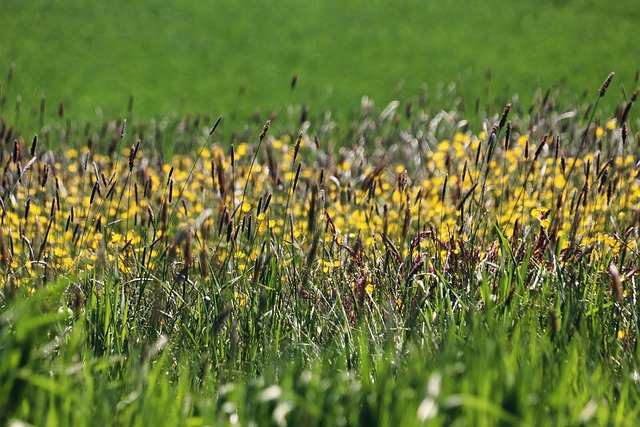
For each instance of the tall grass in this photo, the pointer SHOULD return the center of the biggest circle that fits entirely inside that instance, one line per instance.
(397, 269)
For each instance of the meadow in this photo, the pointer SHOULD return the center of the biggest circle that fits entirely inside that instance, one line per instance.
(340, 214)
(423, 274)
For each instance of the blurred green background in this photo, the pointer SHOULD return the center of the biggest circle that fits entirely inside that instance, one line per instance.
(236, 57)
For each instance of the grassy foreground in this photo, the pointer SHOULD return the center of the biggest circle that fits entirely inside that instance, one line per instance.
(421, 273)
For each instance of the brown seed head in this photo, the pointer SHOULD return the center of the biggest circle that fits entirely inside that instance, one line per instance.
(627, 108)
(27, 207)
(93, 192)
(16, 151)
(213, 129)
(34, 145)
(540, 147)
(505, 114)
(297, 147)
(132, 156)
(605, 84)
(265, 129)
(152, 217)
(45, 176)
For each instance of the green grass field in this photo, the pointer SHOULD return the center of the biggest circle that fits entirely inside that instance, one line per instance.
(232, 57)
(424, 262)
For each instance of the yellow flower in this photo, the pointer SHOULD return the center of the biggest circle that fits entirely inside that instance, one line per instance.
(241, 150)
(444, 145)
(71, 154)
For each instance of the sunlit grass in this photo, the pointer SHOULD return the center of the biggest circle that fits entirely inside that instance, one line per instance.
(390, 263)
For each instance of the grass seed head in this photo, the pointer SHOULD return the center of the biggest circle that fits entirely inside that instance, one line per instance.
(540, 147)
(45, 176)
(132, 154)
(297, 147)
(265, 129)
(627, 108)
(505, 114)
(605, 84)
(152, 217)
(27, 207)
(34, 145)
(16, 151)
(215, 126)
(93, 192)
(229, 230)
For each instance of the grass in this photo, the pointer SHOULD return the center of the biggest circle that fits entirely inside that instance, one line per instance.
(235, 56)
(426, 273)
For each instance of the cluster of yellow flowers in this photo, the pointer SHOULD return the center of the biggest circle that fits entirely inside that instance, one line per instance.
(128, 215)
